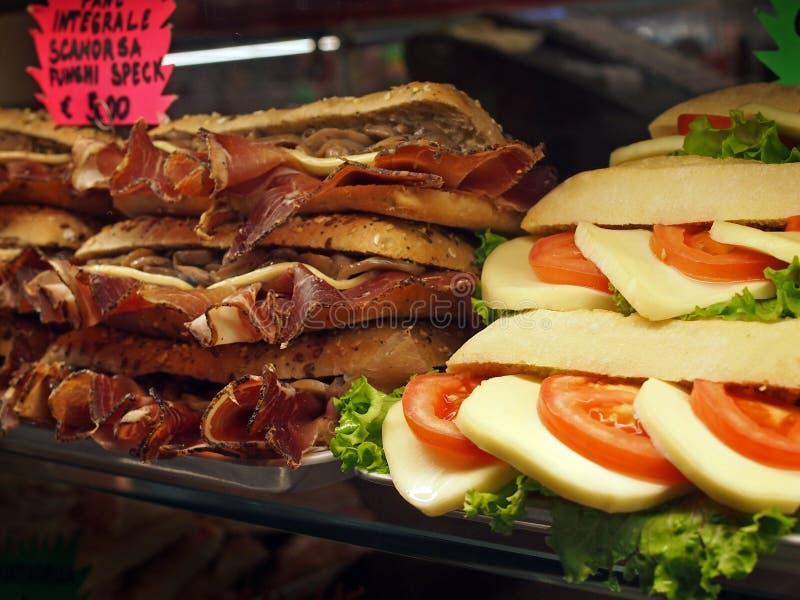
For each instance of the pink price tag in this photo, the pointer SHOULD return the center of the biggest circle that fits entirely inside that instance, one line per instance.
(101, 60)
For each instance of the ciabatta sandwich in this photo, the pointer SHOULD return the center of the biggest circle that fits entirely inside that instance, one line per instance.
(674, 235)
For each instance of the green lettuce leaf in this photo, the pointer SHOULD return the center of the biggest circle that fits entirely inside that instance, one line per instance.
(744, 307)
(489, 241)
(357, 438)
(489, 315)
(679, 550)
(755, 138)
(504, 506)
(620, 301)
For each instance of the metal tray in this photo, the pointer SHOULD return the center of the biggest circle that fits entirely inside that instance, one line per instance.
(243, 477)
(539, 520)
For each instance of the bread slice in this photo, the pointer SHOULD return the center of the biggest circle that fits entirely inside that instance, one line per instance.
(23, 225)
(671, 190)
(543, 342)
(348, 233)
(38, 124)
(466, 125)
(386, 355)
(721, 102)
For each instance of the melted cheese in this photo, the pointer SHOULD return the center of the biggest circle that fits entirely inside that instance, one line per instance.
(784, 245)
(9, 254)
(270, 272)
(508, 283)
(656, 290)
(314, 165)
(656, 147)
(40, 157)
(501, 417)
(151, 278)
(433, 483)
(721, 472)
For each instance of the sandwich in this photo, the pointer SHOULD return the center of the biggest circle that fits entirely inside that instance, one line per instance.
(244, 304)
(667, 236)
(38, 163)
(640, 378)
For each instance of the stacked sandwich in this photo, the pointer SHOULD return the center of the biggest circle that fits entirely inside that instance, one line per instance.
(277, 255)
(43, 217)
(654, 356)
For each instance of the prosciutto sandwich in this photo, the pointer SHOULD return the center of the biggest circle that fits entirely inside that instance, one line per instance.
(255, 261)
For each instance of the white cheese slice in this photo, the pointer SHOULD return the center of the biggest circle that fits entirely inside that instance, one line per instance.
(787, 122)
(722, 473)
(433, 483)
(151, 278)
(509, 283)
(660, 146)
(656, 290)
(501, 417)
(784, 245)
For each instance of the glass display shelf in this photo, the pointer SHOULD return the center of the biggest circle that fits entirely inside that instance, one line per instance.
(306, 502)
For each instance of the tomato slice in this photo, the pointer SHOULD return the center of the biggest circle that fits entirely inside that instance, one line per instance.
(431, 402)
(717, 121)
(793, 223)
(754, 424)
(691, 250)
(595, 418)
(556, 259)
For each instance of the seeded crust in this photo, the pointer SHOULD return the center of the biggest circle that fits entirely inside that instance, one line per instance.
(348, 233)
(387, 356)
(721, 102)
(544, 342)
(37, 123)
(464, 121)
(22, 225)
(671, 190)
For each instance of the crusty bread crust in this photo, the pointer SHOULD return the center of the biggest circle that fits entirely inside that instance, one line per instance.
(721, 102)
(350, 233)
(37, 123)
(671, 190)
(461, 117)
(543, 342)
(385, 355)
(463, 210)
(22, 225)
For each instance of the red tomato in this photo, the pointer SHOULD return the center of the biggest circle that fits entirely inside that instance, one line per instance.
(595, 418)
(691, 250)
(717, 121)
(752, 423)
(431, 402)
(793, 223)
(556, 259)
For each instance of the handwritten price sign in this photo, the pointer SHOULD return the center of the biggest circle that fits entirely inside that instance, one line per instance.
(101, 60)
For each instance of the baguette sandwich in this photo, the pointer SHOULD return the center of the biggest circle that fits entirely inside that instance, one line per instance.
(39, 160)
(280, 300)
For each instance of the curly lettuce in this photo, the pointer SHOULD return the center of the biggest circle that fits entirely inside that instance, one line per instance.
(679, 549)
(489, 241)
(754, 138)
(744, 307)
(357, 438)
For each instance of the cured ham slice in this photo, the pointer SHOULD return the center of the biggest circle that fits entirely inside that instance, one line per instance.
(281, 310)
(262, 416)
